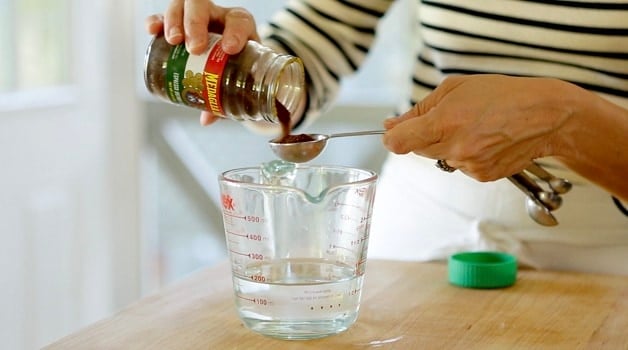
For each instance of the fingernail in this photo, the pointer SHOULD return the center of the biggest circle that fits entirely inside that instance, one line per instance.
(192, 46)
(174, 33)
(229, 44)
(389, 122)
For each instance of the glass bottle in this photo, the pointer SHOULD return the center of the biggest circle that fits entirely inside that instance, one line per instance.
(252, 85)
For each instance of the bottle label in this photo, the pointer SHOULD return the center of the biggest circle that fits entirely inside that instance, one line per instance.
(195, 80)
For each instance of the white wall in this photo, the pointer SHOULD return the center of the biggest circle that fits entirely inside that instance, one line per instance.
(69, 202)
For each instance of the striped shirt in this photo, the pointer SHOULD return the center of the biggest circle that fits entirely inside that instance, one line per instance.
(583, 42)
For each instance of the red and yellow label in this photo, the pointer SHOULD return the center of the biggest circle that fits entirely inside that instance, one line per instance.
(196, 81)
(214, 69)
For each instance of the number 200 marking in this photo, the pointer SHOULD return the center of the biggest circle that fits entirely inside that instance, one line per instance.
(258, 278)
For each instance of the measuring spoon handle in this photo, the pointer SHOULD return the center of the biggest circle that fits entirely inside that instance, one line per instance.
(527, 186)
(358, 133)
(539, 172)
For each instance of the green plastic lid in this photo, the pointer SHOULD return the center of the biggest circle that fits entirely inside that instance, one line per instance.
(482, 269)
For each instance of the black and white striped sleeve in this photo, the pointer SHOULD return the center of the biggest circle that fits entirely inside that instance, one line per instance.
(332, 37)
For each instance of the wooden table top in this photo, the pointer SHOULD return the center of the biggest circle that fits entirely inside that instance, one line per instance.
(405, 305)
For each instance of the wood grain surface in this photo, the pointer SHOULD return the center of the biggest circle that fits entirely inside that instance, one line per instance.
(406, 305)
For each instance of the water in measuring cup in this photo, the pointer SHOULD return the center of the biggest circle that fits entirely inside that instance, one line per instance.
(298, 298)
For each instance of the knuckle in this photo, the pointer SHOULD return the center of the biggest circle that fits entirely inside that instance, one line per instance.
(239, 13)
(481, 172)
(479, 176)
(196, 19)
(420, 108)
(460, 152)
(485, 177)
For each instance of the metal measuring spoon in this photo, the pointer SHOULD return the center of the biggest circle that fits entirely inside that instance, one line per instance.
(537, 210)
(551, 200)
(303, 151)
(539, 213)
(557, 184)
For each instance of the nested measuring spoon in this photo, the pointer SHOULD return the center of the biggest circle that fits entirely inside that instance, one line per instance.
(540, 203)
(305, 147)
(558, 185)
(537, 208)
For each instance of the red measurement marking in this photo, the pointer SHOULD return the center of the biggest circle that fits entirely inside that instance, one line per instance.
(255, 237)
(249, 299)
(251, 236)
(243, 254)
(247, 218)
(233, 215)
(254, 256)
(227, 202)
(255, 219)
(258, 301)
(237, 234)
(258, 278)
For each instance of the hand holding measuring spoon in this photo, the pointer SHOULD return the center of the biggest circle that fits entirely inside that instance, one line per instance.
(539, 204)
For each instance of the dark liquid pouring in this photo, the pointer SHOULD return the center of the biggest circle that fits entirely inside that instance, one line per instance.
(283, 114)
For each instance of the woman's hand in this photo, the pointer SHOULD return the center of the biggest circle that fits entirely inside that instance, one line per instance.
(488, 126)
(492, 126)
(189, 21)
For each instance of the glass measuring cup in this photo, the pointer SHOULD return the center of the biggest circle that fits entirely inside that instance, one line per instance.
(297, 237)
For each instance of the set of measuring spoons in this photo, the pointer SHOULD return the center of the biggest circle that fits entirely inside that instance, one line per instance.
(539, 202)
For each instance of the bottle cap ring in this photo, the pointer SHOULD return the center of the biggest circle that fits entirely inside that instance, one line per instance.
(482, 269)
